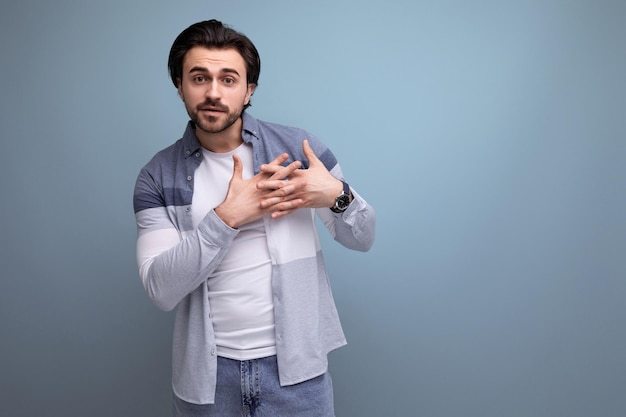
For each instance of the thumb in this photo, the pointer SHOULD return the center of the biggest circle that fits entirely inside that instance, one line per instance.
(309, 153)
(237, 168)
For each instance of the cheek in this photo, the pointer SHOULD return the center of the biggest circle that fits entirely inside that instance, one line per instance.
(190, 96)
(237, 98)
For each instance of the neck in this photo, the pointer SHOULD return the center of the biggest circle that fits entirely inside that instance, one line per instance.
(221, 142)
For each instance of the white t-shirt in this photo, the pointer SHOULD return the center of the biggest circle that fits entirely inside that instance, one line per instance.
(240, 289)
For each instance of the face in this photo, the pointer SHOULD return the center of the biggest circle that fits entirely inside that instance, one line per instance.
(214, 88)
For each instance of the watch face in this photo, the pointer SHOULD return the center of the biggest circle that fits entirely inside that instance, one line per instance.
(343, 201)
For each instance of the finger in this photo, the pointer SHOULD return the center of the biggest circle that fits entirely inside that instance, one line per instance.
(277, 191)
(285, 172)
(290, 205)
(272, 185)
(309, 153)
(279, 171)
(282, 213)
(283, 209)
(279, 159)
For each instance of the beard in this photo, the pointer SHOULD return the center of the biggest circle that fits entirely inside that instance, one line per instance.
(213, 123)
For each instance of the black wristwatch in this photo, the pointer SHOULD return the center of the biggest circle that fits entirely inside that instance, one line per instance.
(343, 200)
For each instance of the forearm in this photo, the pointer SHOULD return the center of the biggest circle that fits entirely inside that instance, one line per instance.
(356, 227)
(171, 268)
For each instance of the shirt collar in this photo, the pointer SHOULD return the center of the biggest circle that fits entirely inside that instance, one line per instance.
(190, 141)
(250, 127)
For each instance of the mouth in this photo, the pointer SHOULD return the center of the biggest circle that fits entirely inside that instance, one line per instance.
(213, 109)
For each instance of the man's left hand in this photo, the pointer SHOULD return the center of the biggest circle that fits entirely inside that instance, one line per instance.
(315, 187)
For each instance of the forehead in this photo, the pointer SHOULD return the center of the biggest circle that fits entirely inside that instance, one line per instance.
(214, 59)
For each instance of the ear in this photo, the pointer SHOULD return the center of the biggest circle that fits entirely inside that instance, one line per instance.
(251, 88)
(179, 86)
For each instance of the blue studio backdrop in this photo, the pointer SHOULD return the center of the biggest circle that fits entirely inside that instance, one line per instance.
(489, 136)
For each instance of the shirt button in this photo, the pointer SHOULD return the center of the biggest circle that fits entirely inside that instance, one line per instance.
(197, 154)
(212, 351)
(189, 178)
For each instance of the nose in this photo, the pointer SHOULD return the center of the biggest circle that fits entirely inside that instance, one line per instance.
(212, 90)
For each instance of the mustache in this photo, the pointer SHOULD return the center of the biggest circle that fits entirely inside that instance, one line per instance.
(212, 105)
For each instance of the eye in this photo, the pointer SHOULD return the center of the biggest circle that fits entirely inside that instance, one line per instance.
(229, 81)
(199, 79)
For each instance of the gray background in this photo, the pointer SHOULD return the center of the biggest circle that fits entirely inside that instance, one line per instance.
(489, 135)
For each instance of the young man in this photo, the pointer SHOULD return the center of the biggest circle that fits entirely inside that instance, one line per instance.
(226, 233)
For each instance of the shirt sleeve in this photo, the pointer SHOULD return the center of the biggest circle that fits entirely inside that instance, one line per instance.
(355, 228)
(173, 263)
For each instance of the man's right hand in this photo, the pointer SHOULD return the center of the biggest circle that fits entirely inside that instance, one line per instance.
(242, 204)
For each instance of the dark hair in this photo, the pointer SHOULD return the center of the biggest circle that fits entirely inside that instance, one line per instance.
(213, 34)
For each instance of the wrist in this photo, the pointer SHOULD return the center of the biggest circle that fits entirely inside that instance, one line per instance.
(342, 199)
(228, 220)
(337, 190)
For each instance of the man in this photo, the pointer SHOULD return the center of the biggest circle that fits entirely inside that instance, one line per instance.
(226, 233)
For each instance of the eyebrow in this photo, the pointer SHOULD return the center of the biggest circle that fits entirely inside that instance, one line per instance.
(222, 71)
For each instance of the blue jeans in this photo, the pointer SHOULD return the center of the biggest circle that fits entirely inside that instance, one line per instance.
(251, 389)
